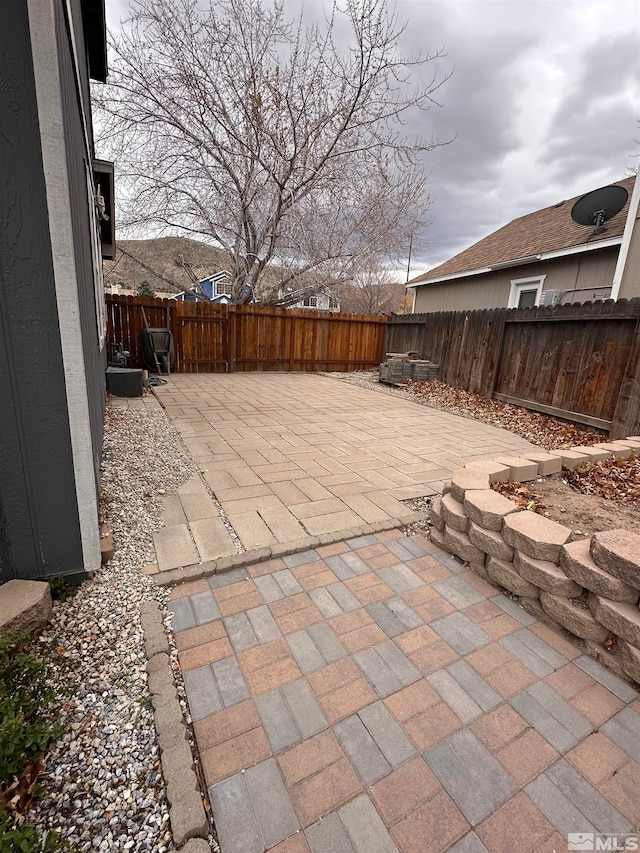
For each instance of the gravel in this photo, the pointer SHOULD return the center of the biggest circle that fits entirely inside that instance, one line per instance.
(102, 783)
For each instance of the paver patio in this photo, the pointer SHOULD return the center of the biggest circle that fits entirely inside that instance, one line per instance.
(374, 695)
(291, 455)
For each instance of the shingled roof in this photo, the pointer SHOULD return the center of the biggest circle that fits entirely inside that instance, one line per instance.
(548, 230)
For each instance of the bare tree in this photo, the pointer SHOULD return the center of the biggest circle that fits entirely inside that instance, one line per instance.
(374, 290)
(274, 140)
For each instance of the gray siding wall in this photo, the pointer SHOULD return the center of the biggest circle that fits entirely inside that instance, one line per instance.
(491, 290)
(75, 98)
(39, 533)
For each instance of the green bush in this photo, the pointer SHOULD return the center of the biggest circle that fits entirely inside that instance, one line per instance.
(26, 839)
(27, 726)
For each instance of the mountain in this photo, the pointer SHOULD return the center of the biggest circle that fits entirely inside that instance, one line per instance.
(162, 255)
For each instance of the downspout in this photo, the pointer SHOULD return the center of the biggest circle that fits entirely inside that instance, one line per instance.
(632, 215)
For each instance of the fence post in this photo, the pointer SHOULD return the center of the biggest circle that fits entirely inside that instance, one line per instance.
(626, 417)
(292, 343)
(231, 321)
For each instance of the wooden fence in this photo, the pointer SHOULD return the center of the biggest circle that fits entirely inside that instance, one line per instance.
(212, 338)
(579, 362)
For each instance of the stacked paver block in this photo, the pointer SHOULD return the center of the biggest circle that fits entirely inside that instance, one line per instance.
(589, 589)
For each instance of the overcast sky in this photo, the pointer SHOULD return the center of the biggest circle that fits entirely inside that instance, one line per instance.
(544, 102)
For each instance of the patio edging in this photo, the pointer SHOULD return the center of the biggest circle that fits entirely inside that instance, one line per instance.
(206, 569)
(187, 816)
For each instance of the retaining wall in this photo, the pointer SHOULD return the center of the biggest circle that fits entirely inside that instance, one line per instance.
(589, 589)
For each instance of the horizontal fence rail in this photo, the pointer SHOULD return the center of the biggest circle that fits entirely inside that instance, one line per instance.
(580, 362)
(210, 338)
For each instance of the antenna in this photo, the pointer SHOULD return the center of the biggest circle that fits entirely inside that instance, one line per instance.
(596, 207)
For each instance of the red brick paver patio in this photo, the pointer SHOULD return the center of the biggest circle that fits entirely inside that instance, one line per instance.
(374, 696)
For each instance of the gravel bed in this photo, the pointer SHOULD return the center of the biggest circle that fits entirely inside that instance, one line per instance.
(102, 783)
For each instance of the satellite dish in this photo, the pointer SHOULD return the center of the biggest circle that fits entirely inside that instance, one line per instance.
(596, 207)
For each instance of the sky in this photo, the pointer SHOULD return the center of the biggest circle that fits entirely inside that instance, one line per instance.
(543, 104)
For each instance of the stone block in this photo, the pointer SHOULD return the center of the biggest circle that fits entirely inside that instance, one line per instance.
(546, 575)
(504, 573)
(187, 817)
(480, 569)
(490, 542)
(619, 617)
(106, 548)
(576, 619)
(572, 460)
(437, 537)
(453, 513)
(617, 450)
(196, 845)
(520, 469)
(466, 479)
(446, 487)
(578, 564)
(548, 463)
(618, 553)
(458, 543)
(630, 660)
(435, 514)
(487, 508)
(633, 443)
(593, 454)
(497, 473)
(535, 535)
(24, 606)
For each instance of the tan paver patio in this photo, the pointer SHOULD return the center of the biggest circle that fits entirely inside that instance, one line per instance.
(290, 455)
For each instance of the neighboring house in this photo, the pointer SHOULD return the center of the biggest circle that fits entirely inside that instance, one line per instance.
(218, 287)
(52, 308)
(319, 301)
(543, 258)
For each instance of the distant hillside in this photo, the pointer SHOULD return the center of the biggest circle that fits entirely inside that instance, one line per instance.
(162, 254)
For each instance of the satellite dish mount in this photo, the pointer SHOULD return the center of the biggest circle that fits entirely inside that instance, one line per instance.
(596, 207)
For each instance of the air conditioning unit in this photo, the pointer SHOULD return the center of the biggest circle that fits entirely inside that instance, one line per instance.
(549, 297)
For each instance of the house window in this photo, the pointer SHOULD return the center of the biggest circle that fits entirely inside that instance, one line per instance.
(224, 287)
(311, 302)
(526, 292)
(334, 305)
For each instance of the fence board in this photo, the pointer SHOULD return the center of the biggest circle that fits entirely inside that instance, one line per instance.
(579, 361)
(225, 338)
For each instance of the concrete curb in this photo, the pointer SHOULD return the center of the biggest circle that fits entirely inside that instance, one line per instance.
(261, 555)
(186, 809)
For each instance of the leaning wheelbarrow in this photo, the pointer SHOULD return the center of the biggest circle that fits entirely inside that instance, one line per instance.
(157, 348)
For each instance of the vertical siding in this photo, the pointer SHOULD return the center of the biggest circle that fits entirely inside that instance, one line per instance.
(41, 530)
(94, 358)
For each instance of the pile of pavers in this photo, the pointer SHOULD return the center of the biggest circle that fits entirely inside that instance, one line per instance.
(399, 367)
(590, 589)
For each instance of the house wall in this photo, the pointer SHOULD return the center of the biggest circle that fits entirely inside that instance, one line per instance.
(40, 534)
(491, 290)
(51, 360)
(630, 283)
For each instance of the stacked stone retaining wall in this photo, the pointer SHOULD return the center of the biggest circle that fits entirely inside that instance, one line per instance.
(587, 588)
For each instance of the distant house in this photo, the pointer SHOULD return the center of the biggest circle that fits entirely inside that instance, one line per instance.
(52, 346)
(543, 258)
(320, 301)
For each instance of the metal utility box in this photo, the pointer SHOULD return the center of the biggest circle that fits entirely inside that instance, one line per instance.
(124, 382)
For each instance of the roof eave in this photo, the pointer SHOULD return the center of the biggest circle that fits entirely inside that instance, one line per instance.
(540, 258)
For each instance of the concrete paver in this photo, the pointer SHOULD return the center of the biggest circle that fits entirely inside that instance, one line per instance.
(291, 455)
(327, 729)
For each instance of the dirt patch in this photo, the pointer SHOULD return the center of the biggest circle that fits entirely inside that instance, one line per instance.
(584, 514)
